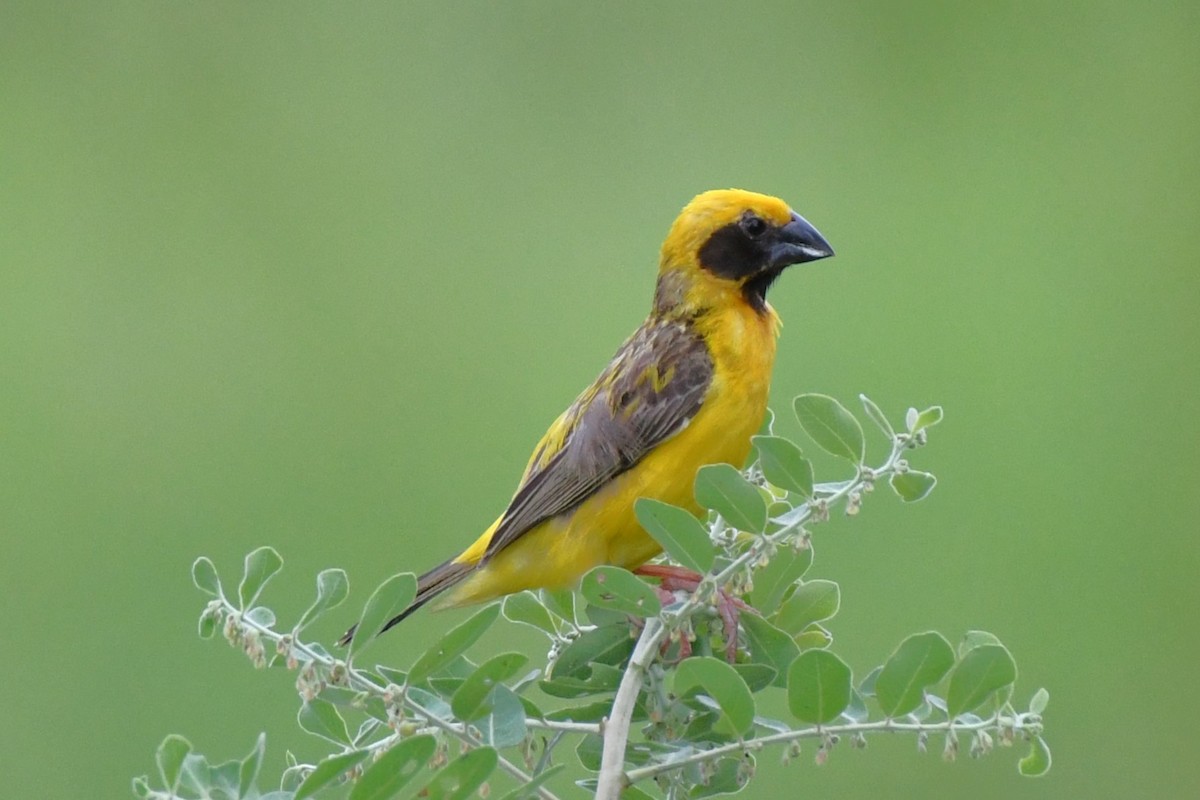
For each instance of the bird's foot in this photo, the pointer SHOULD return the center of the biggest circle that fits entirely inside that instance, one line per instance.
(672, 579)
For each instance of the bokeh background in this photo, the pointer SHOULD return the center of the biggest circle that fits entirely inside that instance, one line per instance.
(318, 277)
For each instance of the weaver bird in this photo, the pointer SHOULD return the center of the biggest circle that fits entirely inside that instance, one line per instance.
(688, 388)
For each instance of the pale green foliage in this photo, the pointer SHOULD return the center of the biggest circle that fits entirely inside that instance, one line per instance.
(651, 663)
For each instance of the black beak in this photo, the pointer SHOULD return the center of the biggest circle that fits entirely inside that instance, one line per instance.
(796, 243)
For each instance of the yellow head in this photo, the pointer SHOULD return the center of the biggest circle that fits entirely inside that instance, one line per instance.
(731, 243)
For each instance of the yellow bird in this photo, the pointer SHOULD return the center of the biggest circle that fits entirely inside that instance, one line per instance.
(688, 388)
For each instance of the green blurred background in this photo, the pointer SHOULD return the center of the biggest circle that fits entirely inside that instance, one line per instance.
(318, 277)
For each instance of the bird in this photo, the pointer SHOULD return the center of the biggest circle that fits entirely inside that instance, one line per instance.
(688, 388)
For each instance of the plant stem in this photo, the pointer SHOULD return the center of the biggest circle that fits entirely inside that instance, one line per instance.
(616, 729)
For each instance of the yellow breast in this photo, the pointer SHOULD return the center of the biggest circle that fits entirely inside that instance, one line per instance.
(603, 529)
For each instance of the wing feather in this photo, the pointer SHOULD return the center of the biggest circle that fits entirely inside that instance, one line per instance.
(652, 388)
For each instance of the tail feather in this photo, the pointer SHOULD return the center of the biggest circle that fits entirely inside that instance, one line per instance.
(429, 586)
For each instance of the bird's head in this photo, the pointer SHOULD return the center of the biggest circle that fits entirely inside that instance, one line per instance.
(734, 243)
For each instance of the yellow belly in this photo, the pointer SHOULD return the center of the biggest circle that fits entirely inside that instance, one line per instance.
(603, 529)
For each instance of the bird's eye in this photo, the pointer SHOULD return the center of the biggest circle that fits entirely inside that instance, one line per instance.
(753, 226)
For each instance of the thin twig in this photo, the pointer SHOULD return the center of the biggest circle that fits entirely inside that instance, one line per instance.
(1018, 722)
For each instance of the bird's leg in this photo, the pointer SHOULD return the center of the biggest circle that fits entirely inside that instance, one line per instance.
(681, 579)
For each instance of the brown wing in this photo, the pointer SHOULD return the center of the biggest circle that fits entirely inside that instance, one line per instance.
(649, 392)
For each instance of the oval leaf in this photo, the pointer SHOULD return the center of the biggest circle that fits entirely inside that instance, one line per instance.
(973, 639)
(818, 687)
(462, 776)
(784, 465)
(524, 608)
(726, 491)
(394, 769)
(389, 599)
(683, 536)
(504, 726)
(912, 485)
(469, 700)
(877, 416)
(813, 601)
(724, 685)
(453, 644)
(560, 602)
(204, 575)
(769, 646)
(920, 661)
(927, 419)
(982, 671)
(609, 645)
(321, 718)
(1037, 763)
(831, 426)
(250, 765)
(772, 581)
(620, 590)
(169, 756)
(328, 771)
(527, 790)
(260, 566)
(332, 589)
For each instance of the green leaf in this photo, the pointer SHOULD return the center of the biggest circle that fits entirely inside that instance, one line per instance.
(867, 686)
(1037, 763)
(982, 671)
(141, 788)
(328, 771)
(781, 572)
(196, 775)
(527, 790)
(250, 765)
(462, 776)
(453, 644)
(831, 426)
(389, 599)
(332, 589)
(504, 726)
(725, 490)
(973, 639)
(769, 646)
(812, 601)
(815, 635)
(608, 645)
(856, 711)
(920, 661)
(729, 776)
(560, 602)
(321, 718)
(784, 465)
(207, 624)
(818, 687)
(912, 485)
(469, 701)
(723, 684)
(261, 565)
(225, 778)
(589, 751)
(169, 757)
(926, 419)
(756, 676)
(877, 416)
(620, 590)
(204, 575)
(395, 769)
(1038, 704)
(261, 615)
(683, 536)
(524, 608)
